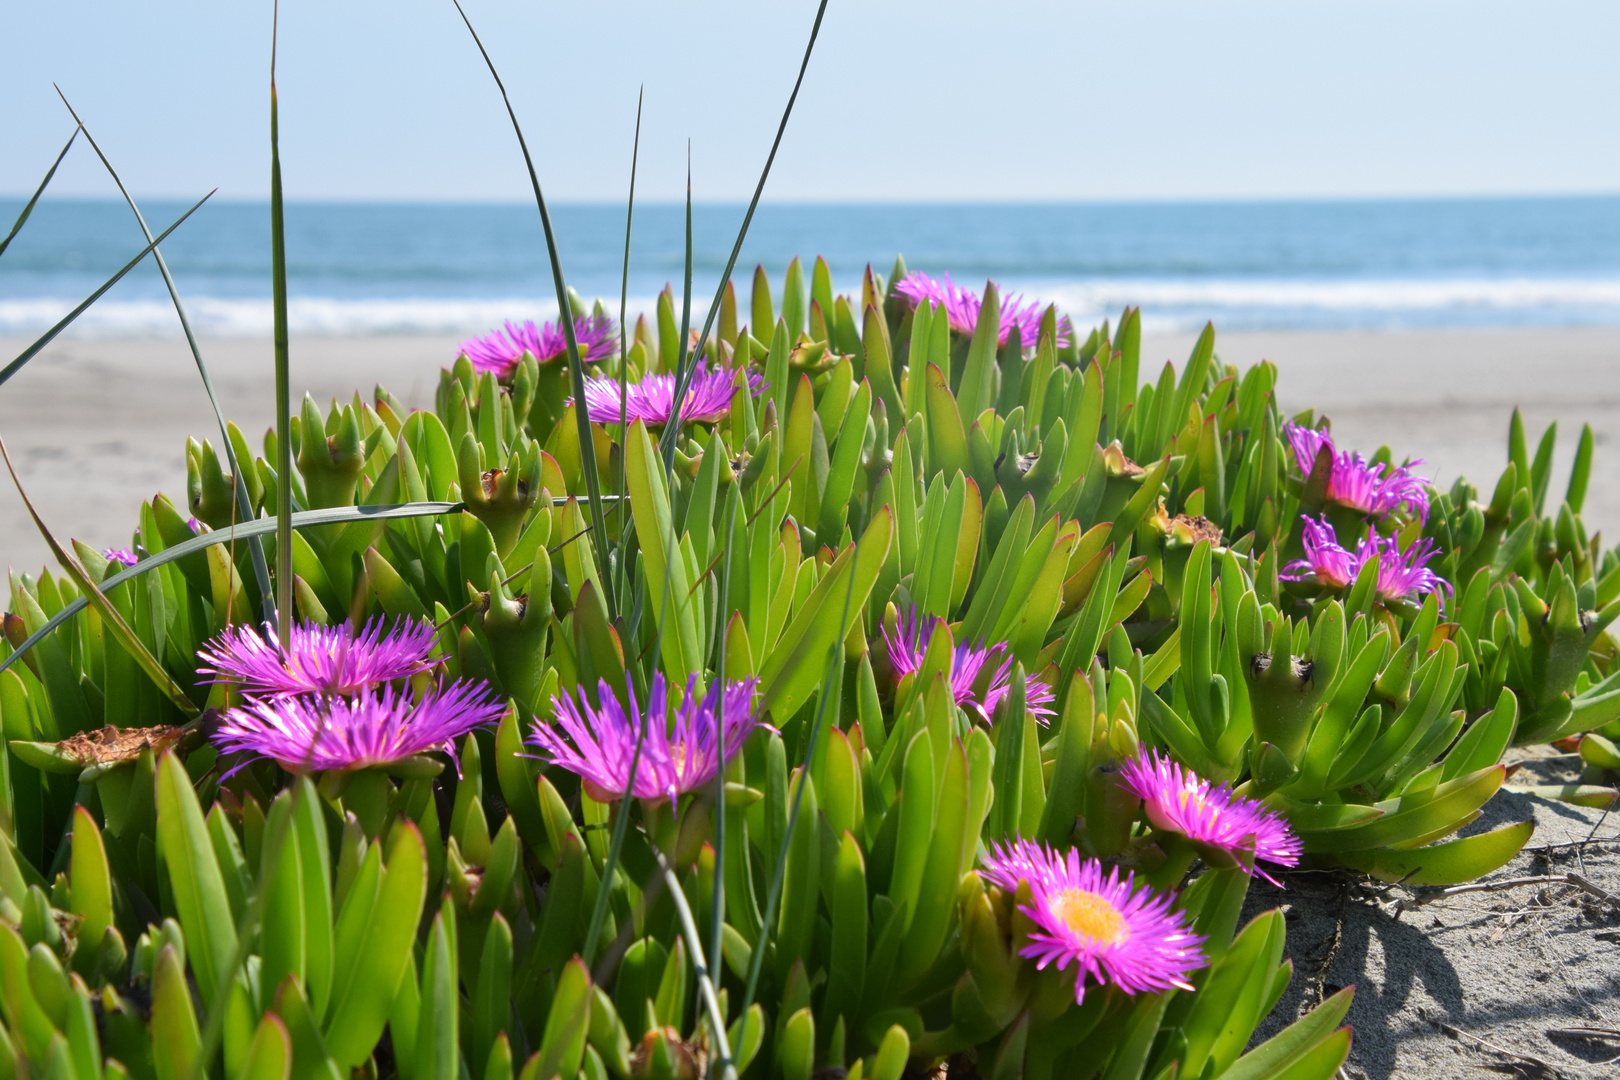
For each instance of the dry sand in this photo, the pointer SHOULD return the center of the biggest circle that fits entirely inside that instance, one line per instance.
(1479, 980)
(95, 426)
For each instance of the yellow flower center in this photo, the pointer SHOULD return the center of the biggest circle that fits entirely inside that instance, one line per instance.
(1195, 799)
(1088, 914)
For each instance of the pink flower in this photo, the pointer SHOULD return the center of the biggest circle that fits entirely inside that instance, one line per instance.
(962, 309)
(373, 729)
(1178, 800)
(1370, 489)
(1401, 574)
(909, 644)
(499, 352)
(1112, 931)
(320, 659)
(678, 754)
(652, 400)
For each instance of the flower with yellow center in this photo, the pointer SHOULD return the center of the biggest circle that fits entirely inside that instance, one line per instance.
(1113, 931)
(1088, 914)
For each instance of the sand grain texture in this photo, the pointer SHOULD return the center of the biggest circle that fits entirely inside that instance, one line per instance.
(1504, 967)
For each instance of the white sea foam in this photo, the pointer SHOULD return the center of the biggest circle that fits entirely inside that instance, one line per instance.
(1393, 295)
(216, 317)
(1168, 303)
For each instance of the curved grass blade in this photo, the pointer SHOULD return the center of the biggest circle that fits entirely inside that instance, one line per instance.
(244, 504)
(667, 442)
(700, 966)
(50, 335)
(278, 299)
(718, 893)
(576, 367)
(621, 823)
(111, 620)
(242, 531)
(22, 218)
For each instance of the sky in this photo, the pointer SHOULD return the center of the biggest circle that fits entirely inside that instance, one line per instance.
(948, 100)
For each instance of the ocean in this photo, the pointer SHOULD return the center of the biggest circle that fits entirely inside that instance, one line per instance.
(356, 268)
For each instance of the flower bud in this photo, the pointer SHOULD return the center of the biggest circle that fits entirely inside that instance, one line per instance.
(331, 456)
(1282, 695)
(500, 498)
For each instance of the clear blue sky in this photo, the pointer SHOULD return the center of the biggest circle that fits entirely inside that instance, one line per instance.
(938, 100)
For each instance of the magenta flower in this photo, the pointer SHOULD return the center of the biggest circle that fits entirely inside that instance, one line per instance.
(1325, 560)
(1115, 932)
(499, 352)
(1401, 574)
(322, 659)
(122, 556)
(909, 644)
(1369, 489)
(1180, 801)
(376, 728)
(708, 396)
(678, 754)
(962, 308)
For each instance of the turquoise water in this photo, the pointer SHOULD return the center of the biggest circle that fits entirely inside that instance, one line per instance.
(384, 268)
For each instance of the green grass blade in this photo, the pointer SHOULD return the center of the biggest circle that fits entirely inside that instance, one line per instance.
(673, 427)
(828, 683)
(700, 967)
(278, 297)
(22, 218)
(622, 583)
(718, 904)
(565, 316)
(621, 822)
(244, 504)
(682, 378)
(241, 531)
(50, 335)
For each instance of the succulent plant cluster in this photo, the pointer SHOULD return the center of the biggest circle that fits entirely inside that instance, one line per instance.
(882, 681)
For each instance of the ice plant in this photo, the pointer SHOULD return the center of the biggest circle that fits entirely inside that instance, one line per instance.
(122, 556)
(962, 308)
(1114, 931)
(376, 728)
(708, 396)
(1354, 483)
(1178, 800)
(1401, 574)
(499, 351)
(909, 644)
(320, 659)
(679, 754)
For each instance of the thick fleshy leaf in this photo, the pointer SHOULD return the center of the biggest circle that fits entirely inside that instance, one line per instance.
(364, 988)
(194, 877)
(1450, 863)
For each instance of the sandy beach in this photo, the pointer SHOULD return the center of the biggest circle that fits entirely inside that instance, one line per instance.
(96, 425)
